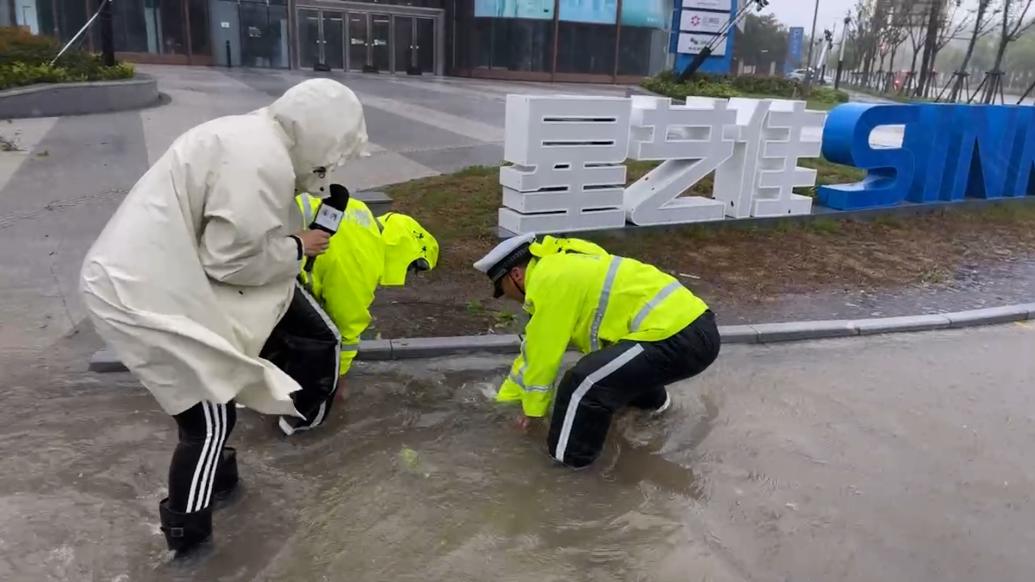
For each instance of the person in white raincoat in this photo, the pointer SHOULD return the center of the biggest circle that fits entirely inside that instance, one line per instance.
(199, 263)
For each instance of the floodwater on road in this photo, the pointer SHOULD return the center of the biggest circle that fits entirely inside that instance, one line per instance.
(895, 458)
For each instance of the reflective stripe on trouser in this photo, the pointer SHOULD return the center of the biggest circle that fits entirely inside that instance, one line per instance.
(306, 345)
(625, 374)
(203, 429)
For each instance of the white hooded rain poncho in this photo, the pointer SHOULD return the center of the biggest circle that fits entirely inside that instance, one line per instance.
(196, 266)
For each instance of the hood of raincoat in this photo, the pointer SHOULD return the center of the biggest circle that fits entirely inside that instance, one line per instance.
(405, 241)
(324, 123)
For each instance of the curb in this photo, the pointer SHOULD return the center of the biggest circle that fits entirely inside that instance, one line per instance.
(766, 333)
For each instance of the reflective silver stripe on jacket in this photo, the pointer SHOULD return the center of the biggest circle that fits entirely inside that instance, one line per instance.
(307, 211)
(350, 347)
(605, 296)
(652, 304)
(520, 378)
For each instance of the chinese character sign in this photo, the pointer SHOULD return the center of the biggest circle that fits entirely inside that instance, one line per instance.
(568, 157)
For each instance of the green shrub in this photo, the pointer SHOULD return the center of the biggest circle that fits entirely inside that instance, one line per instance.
(665, 83)
(829, 95)
(25, 60)
(773, 86)
(18, 45)
(698, 86)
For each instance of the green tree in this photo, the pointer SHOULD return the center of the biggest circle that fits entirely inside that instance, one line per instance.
(763, 42)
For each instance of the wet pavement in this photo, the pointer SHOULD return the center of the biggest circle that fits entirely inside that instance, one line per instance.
(890, 458)
(969, 286)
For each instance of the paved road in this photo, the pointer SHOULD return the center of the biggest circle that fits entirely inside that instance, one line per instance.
(867, 459)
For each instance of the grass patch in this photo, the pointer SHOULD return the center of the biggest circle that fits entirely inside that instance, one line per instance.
(730, 267)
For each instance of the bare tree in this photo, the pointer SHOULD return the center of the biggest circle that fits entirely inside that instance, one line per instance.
(934, 18)
(950, 27)
(984, 22)
(953, 24)
(916, 33)
(1015, 22)
(895, 32)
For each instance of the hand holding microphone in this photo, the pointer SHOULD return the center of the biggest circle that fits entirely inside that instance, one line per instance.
(314, 242)
(328, 219)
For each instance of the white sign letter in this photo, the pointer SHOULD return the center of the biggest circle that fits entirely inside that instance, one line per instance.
(782, 147)
(692, 141)
(568, 155)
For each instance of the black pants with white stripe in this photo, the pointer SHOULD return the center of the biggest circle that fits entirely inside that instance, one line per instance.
(204, 429)
(625, 374)
(306, 345)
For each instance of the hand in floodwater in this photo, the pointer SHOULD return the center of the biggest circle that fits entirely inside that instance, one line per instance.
(524, 423)
(343, 392)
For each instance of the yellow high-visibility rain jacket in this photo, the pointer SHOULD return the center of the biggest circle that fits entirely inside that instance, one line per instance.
(578, 293)
(364, 253)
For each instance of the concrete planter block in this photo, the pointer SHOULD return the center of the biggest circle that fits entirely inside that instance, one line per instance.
(902, 324)
(378, 202)
(738, 334)
(444, 346)
(375, 351)
(55, 100)
(804, 330)
(989, 316)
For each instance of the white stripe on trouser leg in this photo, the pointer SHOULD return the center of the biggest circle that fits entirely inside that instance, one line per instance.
(218, 456)
(580, 392)
(209, 468)
(209, 438)
(337, 352)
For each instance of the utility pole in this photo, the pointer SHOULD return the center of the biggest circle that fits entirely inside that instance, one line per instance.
(812, 46)
(107, 35)
(841, 56)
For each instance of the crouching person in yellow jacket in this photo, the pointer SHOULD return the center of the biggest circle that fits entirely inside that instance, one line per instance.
(640, 329)
(365, 252)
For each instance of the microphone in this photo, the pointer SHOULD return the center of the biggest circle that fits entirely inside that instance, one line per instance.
(329, 217)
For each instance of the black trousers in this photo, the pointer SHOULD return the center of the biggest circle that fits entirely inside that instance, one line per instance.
(625, 374)
(195, 465)
(306, 345)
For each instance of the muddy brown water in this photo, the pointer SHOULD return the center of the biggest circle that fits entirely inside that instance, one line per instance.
(900, 458)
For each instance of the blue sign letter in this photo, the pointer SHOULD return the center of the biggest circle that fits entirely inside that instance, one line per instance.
(846, 140)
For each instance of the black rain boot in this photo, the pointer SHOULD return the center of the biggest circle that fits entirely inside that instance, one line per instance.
(184, 531)
(226, 475)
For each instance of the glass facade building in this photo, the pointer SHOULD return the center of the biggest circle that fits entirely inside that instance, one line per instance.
(544, 40)
(562, 40)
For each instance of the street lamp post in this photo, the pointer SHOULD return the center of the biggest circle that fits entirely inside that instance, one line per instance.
(841, 55)
(812, 46)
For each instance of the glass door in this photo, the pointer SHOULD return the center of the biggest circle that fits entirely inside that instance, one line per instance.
(334, 40)
(308, 38)
(424, 47)
(380, 35)
(358, 42)
(403, 44)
